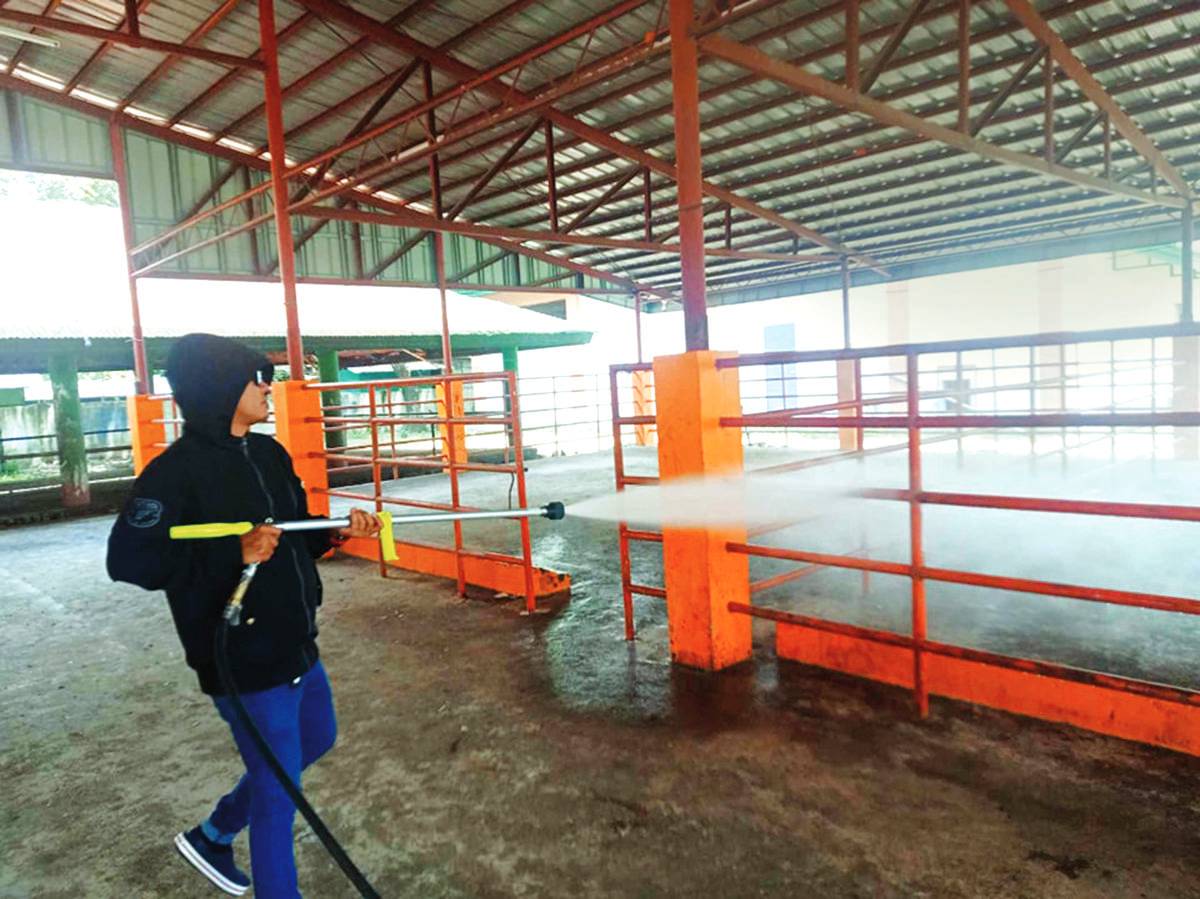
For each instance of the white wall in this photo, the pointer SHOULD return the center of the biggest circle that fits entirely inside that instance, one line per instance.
(992, 302)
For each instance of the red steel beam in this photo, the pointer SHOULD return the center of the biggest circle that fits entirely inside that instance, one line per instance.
(392, 258)
(647, 205)
(805, 82)
(131, 17)
(359, 95)
(1030, 61)
(587, 211)
(816, 56)
(476, 124)
(685, 83)
(317, 177)
(1094, 91)
(964, 65)
(598, 137)
(255, 256)
(311, 76)
(824, 115)
(406, 218)
(100, 52)
(551, 178)
(214, 19)
(63, 26)
(884, 58)
(768, 237)
(494, 170)
(853, 38)
(1048, 107)
(279, 190)
(225, 81)
(141, 370)
(207, 197)
(619, 93)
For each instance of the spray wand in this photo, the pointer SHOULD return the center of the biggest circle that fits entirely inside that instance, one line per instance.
(232, 616)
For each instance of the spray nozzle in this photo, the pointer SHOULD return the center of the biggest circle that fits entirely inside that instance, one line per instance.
(555, 511)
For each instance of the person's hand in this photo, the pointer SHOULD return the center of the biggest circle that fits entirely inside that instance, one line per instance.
(259, 544)
(362, 524)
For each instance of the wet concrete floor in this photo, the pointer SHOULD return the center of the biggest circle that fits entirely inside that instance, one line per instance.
(486, 753)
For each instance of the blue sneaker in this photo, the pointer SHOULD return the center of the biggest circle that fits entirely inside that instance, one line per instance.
(212, 860)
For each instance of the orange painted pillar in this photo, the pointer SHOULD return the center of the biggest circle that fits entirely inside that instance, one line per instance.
(298, 427)
(643, 404)
(146, 435)
(847, 391)
(456, 409)
(702, 577)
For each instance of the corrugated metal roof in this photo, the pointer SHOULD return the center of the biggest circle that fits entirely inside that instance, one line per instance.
(876, 189)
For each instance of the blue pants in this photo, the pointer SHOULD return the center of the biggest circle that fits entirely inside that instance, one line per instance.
(298, 723)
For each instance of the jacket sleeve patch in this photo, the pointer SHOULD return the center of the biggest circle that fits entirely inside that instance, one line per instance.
(143, 512)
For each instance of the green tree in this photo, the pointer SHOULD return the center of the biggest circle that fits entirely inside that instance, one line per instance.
(100, 193)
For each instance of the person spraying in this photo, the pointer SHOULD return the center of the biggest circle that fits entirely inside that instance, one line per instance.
(219, 471)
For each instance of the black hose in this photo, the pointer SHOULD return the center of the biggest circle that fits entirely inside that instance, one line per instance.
(332, 846)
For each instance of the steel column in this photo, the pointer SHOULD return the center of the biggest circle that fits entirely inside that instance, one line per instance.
(279, 189)
(916, 535)
(1048, 107)
(685, 84)
(1187, 265)
(439, 252)
(65, 26)
(853, 39)
(551, 178)
(637, 323)
(964, 65)
(647, 206)
(141, 371)
(845, 303)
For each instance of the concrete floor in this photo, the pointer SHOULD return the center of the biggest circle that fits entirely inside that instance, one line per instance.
(486, 753)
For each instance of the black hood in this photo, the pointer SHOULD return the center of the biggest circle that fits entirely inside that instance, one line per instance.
(208, 374)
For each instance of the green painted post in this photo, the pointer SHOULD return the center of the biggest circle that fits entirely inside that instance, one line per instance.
(510, 354)
(330, 370)
(68, 426)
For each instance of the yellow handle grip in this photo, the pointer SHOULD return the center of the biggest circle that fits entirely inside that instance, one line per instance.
(214, 529)
(387, 539)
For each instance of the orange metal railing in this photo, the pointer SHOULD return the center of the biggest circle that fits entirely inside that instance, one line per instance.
(637, 379)
(1024, 400)
(389, 405)
(369, 426)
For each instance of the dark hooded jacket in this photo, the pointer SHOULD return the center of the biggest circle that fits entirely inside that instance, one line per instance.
(208, 475)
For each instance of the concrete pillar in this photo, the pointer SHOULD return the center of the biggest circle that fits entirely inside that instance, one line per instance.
(643, 404)
(1185, 352)
(1050, 319)
(298, 428)
(147, 432)
(452, 435)
(330, 370)
(702, 577)
(68, 425)
(847, 390)
(899, 329)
